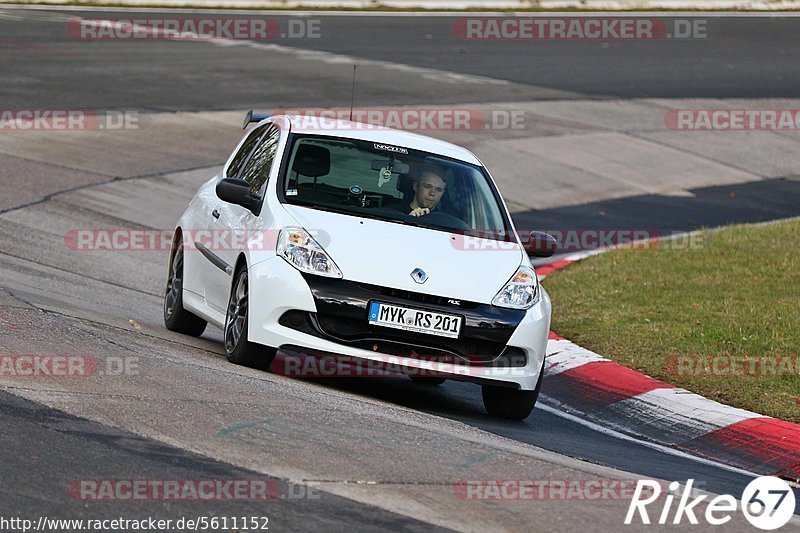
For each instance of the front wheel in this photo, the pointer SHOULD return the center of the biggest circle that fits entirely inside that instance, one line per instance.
(514, 404)
(509, 403)
(238, 349)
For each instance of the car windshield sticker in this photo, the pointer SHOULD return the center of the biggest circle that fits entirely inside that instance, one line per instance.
(291, 192)
(390, 148)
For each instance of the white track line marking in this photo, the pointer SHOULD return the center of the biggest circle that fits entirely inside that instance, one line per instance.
(682, 402)
(563, 355)
(652, 445)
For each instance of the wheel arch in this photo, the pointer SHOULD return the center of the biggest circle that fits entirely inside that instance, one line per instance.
(240, 260)
(178, 234)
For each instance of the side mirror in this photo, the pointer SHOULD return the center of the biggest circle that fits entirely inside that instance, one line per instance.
(235, 191)
(541, 244)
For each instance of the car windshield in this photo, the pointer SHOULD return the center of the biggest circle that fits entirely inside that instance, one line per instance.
(392, 183)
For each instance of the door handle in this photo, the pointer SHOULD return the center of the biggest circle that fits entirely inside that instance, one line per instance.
(215, 213)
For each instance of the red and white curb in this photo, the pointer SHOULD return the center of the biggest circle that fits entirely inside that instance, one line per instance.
(589, 386)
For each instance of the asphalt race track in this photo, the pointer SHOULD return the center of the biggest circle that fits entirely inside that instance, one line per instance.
(347, 454)
(740, 57)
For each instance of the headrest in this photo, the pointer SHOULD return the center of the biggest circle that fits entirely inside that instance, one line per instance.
(404, 185)
(312, 161)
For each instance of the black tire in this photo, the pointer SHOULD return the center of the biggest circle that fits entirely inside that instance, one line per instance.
(176, 318)
(238, 349)
(424, 380)
(514, 404)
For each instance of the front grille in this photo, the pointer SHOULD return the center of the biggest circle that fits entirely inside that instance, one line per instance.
(354, 329)
(360, 334)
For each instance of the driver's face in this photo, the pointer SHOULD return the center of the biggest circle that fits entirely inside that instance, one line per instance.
(429, 190)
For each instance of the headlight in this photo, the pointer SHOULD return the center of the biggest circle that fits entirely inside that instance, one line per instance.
(301, 251)
(521, 291)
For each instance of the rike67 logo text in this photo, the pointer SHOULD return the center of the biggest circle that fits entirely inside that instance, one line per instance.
(767, 502)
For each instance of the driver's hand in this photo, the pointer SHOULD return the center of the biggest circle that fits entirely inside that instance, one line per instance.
(419, 211)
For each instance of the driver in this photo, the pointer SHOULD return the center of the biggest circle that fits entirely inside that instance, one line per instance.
(428, 190)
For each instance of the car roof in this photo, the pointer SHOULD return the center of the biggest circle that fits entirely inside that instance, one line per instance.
(367, 132)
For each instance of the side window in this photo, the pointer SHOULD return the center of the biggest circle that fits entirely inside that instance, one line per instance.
(256, 171)
(241, 156)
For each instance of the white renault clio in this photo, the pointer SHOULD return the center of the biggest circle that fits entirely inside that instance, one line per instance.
(333, 238)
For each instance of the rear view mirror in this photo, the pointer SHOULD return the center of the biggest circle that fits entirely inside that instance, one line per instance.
(541, 244)
(396, 166)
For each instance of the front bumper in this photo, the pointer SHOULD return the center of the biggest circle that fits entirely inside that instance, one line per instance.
(323, 315)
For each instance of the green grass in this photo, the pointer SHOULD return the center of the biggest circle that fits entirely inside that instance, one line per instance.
(736, 292)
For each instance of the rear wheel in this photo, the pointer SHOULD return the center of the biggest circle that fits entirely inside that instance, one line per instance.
(238, 349)
(514, 404)
(176, 318)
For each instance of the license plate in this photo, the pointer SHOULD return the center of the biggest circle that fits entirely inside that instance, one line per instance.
(417, 320)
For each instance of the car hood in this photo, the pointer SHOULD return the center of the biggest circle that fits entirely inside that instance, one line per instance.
(385, 253)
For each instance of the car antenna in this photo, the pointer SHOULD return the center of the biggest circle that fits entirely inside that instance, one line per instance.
(353, 93)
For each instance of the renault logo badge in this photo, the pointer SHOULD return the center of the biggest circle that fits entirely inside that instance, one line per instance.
(419, 275)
